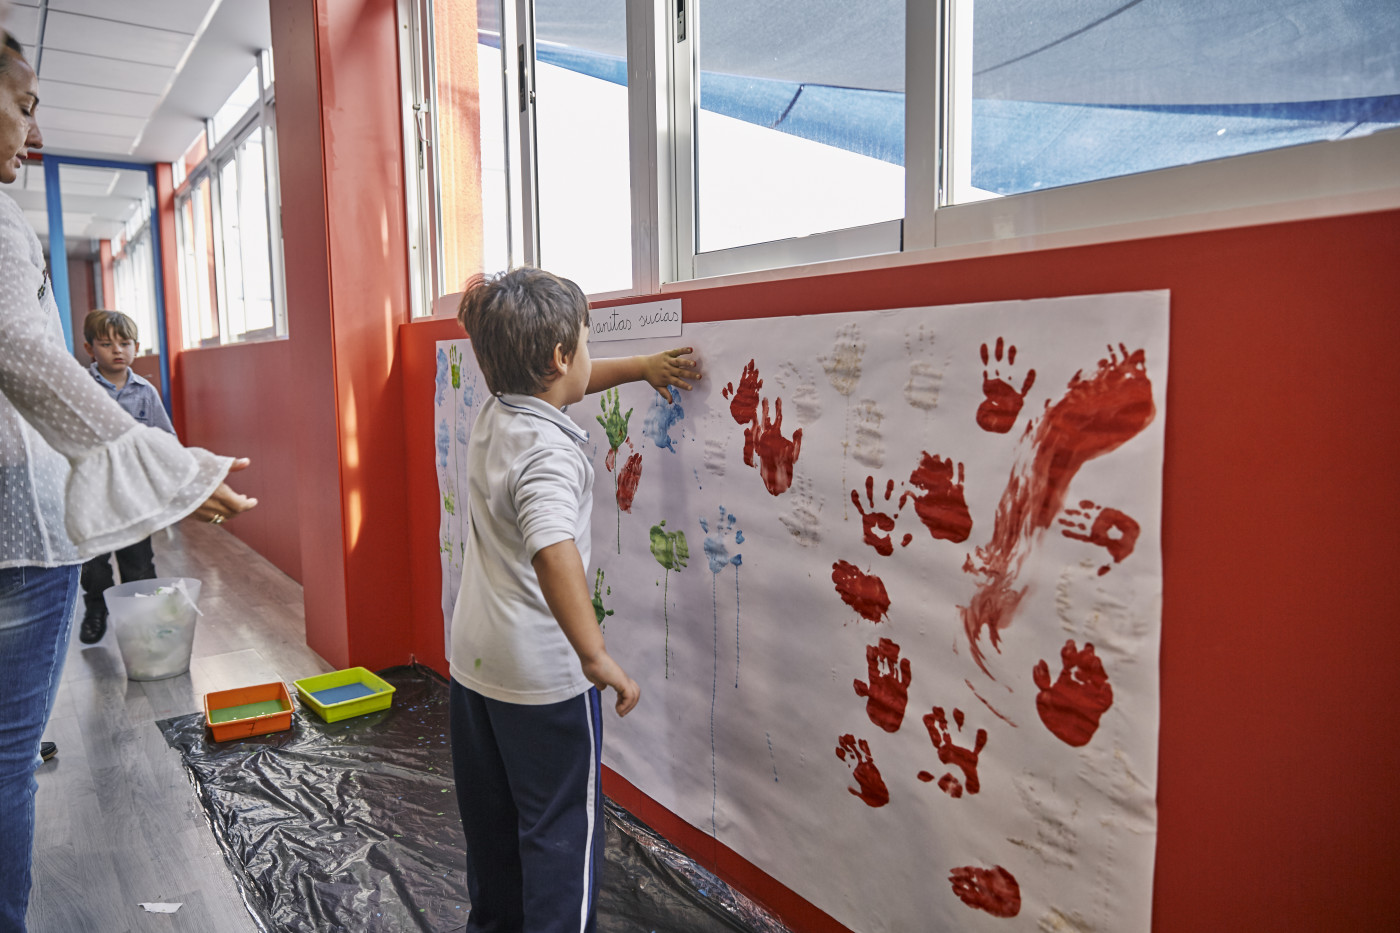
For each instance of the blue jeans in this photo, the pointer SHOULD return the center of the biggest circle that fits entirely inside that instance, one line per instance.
(36, 616)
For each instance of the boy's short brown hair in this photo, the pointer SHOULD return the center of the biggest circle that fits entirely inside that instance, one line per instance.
(515, 320)
(102, 323)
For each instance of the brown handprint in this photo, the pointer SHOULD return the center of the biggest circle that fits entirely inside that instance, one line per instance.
(876, 522)
(888, 691)
(1002, 404)
(872, 787)
(776, 454)
(744, 403)
(1073, 706)
(1110, 529)
(991, 889)
(950, 754)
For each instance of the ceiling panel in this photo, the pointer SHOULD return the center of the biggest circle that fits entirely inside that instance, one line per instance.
(95, 99)
(178, 15)
(23, 24)
(108, 38)
(85, 179)
(71, 143)
(102, 72)
(60, 118)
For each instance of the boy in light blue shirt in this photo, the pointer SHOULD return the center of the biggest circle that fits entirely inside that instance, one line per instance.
(110, 338)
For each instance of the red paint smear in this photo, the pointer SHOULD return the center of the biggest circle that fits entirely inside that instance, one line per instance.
(1073, 706)
(888, 691)
(863, 592)
(872, 787)
(776, 454)
(611, 459)
(874, 521)
(1112, 530)
(1095, 416)
(627, 482)
(994, 890)
(941, 508)
(994, 711)
(744, 404)
(951, 754)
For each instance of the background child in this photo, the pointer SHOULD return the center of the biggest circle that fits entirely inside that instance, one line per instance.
(528, 658)
(109, 337)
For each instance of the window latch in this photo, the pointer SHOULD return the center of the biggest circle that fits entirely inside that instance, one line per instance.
(680, 20)
(527, 96)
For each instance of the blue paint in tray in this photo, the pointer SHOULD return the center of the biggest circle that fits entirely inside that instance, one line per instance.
(340, 694)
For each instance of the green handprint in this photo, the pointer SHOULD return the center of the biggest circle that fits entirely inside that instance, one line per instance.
(449, 503)
(616, 423)
(671, 551)
(669, 547)
(454, 357)
(598, 609)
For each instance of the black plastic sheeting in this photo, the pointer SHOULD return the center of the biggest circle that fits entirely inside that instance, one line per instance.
(353, 826)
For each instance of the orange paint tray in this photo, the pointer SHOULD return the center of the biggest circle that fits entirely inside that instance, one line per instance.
(245, 711)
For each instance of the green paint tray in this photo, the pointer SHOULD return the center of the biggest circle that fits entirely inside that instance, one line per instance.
(245, 711)
(342, 694)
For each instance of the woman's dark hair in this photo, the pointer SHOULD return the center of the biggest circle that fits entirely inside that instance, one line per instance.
(11, 45)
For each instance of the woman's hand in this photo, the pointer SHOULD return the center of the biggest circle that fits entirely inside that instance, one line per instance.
(225, 503)
(670, 368)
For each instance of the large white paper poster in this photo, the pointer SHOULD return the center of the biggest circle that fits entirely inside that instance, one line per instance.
(891, 584)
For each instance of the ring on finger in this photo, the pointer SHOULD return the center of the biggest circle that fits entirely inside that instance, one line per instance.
(216, 520)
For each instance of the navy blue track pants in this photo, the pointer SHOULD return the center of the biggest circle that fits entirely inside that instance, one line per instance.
(530, 794)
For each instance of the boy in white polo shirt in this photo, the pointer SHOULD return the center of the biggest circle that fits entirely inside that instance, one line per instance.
(528, 658)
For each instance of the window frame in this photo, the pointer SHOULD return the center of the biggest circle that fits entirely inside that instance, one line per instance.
(260, 116)
(1314, 179)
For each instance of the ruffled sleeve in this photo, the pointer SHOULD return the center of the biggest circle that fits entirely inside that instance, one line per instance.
(127, 480)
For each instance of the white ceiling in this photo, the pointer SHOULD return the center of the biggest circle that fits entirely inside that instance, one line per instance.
(131, 80)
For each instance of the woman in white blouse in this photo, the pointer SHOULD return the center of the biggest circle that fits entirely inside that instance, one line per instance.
(78, 477)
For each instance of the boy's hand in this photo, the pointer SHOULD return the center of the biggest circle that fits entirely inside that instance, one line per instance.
(670, 368)
(604, 672)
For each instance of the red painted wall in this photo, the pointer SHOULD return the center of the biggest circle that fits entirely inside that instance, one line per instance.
(1277, 789)
(345, 246)
(240, 401)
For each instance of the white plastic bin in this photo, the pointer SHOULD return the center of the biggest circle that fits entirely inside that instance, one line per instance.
(155, 630)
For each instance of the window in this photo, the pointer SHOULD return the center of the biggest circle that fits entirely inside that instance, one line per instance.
(802, 136)
(227, 224)
(631, 144)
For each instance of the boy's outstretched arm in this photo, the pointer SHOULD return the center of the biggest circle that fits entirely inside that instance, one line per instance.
(660, 370)
(560, 571)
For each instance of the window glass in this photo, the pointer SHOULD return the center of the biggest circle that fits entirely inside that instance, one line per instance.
(253, 235)
(229, 258)
(243, 97)
(1068, 91)
(583, 165)
(495, 213)
(800, 128)
(205, 324)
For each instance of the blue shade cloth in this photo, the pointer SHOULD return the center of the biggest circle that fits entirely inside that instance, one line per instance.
(1018, 145)
(342, 693)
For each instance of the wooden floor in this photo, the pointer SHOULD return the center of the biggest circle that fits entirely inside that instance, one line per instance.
(117, 823)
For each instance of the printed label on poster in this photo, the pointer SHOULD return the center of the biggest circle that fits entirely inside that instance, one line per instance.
(633, 322)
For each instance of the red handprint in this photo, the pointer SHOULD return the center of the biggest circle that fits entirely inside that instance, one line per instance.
(744, 403)
(776, 454)
(627, 482)
(863, 592)
(1110, 529)
(1073, 706)
(941, 508)
(888, 691)
(874, 521)
(991, 889)
(948, 753)
(872, 787)
(1002, 404)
